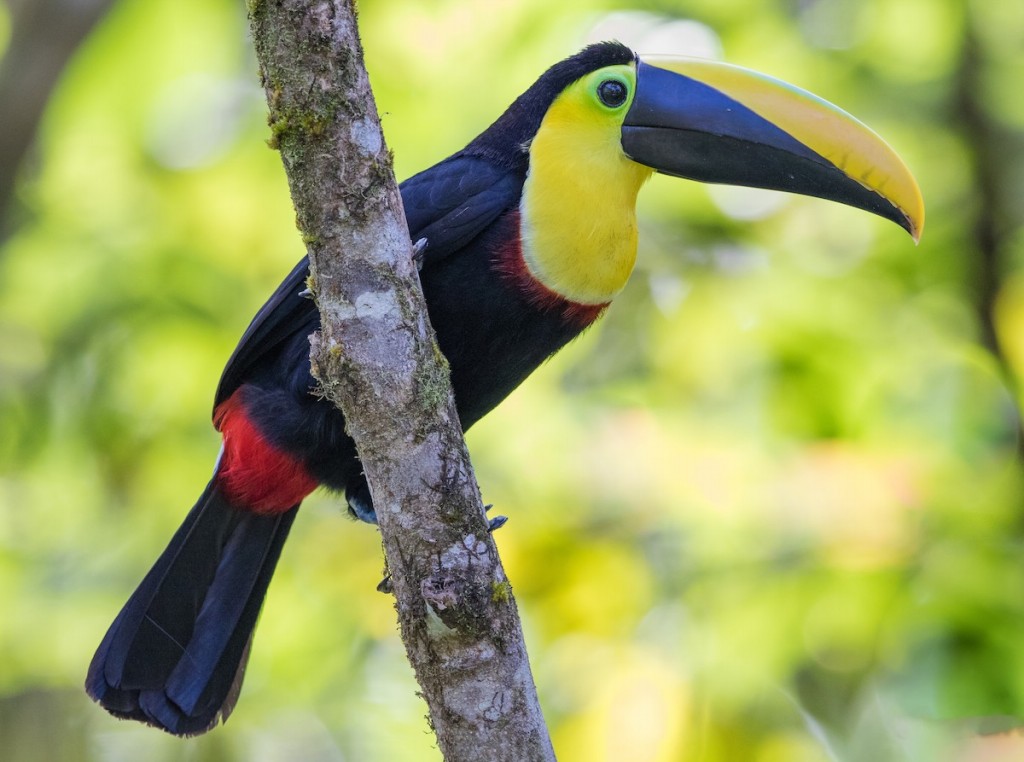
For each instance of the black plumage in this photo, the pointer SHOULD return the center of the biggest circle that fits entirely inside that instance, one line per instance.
(176, 654)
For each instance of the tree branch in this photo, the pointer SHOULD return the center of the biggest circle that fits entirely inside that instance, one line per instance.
(376, 359)
(988, 147)
(45, 34)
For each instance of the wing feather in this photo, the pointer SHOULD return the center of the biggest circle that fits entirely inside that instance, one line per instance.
(449, 205)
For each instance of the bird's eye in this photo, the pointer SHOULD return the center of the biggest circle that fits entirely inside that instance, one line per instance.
(612, 93)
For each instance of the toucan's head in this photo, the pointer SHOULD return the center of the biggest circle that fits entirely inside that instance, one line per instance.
(711, 122)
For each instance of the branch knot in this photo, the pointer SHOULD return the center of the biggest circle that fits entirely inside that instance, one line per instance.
(441, 591)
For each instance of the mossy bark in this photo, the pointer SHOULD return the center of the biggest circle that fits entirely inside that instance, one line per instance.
(376, 358)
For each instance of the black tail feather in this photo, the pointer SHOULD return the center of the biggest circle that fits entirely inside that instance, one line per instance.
(176, 654)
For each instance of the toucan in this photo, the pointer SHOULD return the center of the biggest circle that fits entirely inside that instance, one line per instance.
(530, 231)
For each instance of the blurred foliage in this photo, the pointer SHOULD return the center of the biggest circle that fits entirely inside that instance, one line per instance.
(769, 509)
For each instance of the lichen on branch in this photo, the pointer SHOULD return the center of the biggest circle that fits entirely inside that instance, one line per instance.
(376, 359)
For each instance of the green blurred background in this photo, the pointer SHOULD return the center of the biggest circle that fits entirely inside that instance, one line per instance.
(771, 508)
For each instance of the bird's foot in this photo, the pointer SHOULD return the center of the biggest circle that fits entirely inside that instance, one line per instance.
(360, 506)
(496, 523)
(419, 250)
(386, 585)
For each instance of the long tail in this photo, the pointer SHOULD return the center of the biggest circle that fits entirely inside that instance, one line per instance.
(175, 656)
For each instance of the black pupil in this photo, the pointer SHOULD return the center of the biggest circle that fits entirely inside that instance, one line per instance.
(612, 92)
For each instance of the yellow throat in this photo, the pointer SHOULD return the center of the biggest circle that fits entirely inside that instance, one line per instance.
(578, 210)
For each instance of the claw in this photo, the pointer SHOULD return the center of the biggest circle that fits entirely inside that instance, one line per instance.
(386, 585)
(360, 504)
(419, 249)
(497, 522)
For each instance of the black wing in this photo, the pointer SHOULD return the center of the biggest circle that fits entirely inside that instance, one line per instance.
(284, 313)
(449, 204)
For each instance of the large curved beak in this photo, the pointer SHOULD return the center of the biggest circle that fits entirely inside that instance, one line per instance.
(718, 123)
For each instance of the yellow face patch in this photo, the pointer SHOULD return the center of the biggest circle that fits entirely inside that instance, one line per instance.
(578, 211)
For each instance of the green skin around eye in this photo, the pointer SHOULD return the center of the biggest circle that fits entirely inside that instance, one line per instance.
(624, 75)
